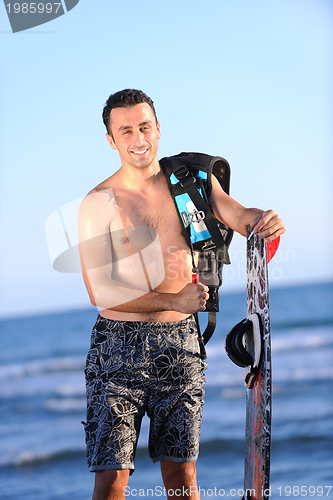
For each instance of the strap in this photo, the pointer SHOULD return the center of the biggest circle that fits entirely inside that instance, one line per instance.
(184, 177)
(177, 165)
(234, 344)
(237, 351)
(210, 327)
(200, 339)
(203, 339)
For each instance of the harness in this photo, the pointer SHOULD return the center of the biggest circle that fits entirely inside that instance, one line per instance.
(189, 180)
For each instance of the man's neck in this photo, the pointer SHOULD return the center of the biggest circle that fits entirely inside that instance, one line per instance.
(140, 179)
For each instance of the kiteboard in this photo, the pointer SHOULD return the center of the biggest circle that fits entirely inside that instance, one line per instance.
(248, 345)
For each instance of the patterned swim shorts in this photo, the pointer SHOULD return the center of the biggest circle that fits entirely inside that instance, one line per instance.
(137, 367)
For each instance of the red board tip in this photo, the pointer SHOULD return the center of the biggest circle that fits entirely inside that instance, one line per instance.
(272, 247)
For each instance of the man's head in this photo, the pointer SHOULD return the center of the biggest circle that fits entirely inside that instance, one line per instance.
(123, 99)
(132, 128)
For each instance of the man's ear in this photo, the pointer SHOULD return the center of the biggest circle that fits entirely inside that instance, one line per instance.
(111, 141)
(158, 130)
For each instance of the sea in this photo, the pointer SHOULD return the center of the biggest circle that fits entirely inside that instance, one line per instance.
(42, 400)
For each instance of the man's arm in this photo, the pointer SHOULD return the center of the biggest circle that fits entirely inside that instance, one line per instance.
(97, 214)
(267, 223)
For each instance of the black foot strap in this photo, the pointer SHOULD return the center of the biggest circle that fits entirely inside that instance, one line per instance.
(234, 344)
(236, 348)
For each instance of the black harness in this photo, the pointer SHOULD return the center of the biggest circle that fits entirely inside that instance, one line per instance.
(189, 180)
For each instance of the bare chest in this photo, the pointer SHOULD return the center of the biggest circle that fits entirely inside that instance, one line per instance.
(145, 219)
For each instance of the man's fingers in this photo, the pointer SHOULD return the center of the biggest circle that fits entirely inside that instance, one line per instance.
(277, 233)
(260, 222)
(271, 228)
(261, 219)
(204, 295)
(204, 288)
(269, 225)
(256, 220)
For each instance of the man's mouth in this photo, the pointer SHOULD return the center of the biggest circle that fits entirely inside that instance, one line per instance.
(140, 152)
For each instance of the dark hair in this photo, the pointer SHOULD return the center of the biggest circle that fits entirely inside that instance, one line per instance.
(123, 99)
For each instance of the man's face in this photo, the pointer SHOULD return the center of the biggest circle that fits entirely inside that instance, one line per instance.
(135, 134)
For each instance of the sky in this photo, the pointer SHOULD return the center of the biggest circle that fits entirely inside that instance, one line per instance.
(249, 80)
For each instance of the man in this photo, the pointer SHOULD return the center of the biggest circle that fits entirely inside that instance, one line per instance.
(144, 355)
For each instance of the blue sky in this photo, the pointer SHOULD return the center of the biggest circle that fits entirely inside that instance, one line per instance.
(247, 80)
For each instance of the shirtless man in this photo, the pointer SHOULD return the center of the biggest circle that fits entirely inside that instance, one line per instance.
(144, 355)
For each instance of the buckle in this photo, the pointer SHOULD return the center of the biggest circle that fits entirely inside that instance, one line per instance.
(208, 245)
(195, 216)
(186, 220)
(181, 172)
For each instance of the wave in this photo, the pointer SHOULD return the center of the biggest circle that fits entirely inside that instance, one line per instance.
(29, 458)
(36, 367)
(66, 405)
(303, 375)
(300, 355)
(295, 339)
(25, 458)
(302, 323)
(286, 376)
(209, 447)
(67, 395)
(298, 340)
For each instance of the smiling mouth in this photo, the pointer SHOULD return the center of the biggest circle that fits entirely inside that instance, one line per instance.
(140, 152)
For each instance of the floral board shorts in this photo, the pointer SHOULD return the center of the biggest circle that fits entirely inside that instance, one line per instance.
(137, 367)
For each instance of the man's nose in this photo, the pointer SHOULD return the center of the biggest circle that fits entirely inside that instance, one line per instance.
(139, 136)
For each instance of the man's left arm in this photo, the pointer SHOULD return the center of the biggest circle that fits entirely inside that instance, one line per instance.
(267, 223)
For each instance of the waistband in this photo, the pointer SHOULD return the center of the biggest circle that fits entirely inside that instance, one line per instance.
(146, 323)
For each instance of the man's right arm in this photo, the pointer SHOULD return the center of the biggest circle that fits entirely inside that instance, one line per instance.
(98, 213)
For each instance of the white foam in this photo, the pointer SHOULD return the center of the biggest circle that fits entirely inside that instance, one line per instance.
(27, 457)
(66, 405)
(41, 366)
(62, 383)
(301, 339)
(303, 374)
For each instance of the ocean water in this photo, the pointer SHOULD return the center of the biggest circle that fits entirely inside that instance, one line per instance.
(42, 400)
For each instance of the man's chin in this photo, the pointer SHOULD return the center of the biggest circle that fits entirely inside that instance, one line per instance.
(143, 162)
(143, 165)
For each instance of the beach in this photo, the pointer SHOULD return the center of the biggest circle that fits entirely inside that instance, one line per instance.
(42, 397)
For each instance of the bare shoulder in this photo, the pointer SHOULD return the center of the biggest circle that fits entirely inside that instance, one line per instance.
(108, 183)
(98, 207)
(101, 193)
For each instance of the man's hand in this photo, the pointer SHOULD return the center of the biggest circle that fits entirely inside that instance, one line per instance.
(269, 225)
(191, 299)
